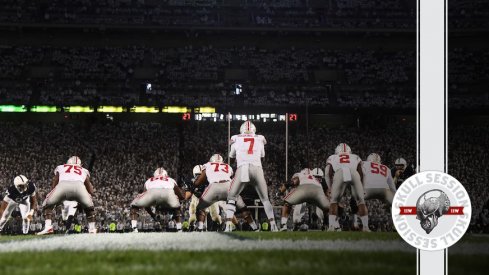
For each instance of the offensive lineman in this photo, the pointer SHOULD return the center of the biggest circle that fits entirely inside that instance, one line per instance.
(343, 169)
(218, 174)
(248, 149)
(306, 189)
(71, 182)
(22, 194)
(160, 190)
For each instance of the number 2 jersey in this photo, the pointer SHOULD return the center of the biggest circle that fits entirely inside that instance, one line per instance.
(19, 197)
(248, 149)
(376, 175)
(72, 173)
(348, 161)
(218, 172)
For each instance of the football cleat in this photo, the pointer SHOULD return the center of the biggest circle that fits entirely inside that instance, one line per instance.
(92, 231)
(342, 148)
(135, 230)
(273, 227)
(284, 228)
(229, 227)
(366, 230)
(247, 128)
(47, 230)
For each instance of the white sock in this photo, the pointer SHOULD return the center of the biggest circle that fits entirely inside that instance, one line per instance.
(364, 220)
(179, 226)
(283, 220)
(200, 225)
(25, 226)
(355, 219)
(332, 220)
(268, 209)
(2, 223)
(230, 209)
(253, 225)
(91, 225)
(47, 223)
(134, 224)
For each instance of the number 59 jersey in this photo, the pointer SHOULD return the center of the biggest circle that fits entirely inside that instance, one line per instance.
(218, 172)
(376, 175)
(248, 149)
(69, 172)
(344, 160)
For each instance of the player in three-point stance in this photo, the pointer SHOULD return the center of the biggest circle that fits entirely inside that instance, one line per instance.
(218, 174)
(71, 182)
(344, 169)
(248, 148)
(159, 190)
(22, 194)
(306, 189)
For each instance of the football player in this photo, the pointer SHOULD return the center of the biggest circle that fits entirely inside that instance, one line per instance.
(218, 174)
(71, 182)
(344, 169)
(22, 194)
(248, 148)
(192, 210)
(401, 171)
(159, 190)
(306, 189)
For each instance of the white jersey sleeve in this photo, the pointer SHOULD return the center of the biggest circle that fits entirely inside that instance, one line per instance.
(70, 172)
(218, 172)
(160, 183)
(376, 175)
(248, 149)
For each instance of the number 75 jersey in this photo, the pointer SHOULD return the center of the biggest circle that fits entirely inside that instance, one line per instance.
(248, 149)
(344, 160)
(69, 172)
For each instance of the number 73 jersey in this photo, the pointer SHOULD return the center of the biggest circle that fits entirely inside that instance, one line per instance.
(248, 149)
(69, 172)
(218, 172)
(344, 160)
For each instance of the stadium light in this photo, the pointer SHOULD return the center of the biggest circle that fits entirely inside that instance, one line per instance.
(78, 109)
(205, 110)
(44, 109)
(13, 108)
(111, 109)
(176, 109)
(144, 109)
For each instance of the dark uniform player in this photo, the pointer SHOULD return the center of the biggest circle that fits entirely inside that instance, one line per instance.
(22, 194)
(401, 171)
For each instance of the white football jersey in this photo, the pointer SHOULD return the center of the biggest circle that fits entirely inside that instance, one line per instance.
(376, 175)
(342, 160)
(160, 182)
(248, 149)
(218, 172)
(305, 177)
(70, 172)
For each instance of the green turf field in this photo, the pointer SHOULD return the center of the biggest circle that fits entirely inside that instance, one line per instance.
(228, 261)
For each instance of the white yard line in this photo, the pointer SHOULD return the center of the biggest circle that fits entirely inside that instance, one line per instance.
(203, 242)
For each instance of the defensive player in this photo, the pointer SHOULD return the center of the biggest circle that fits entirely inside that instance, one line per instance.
(218, 174)
(192, 210)
(248, 148)
(71, 182)
(162, 191)
(401, 171)
(344, 169)
(306, 189)
(22, 194)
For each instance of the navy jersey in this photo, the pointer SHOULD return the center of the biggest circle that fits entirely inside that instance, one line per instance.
(18, 197)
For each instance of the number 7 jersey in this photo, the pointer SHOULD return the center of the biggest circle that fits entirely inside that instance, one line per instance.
(69, 172)
(248, 149)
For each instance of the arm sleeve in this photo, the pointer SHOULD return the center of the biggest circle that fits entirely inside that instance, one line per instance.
(232, 152)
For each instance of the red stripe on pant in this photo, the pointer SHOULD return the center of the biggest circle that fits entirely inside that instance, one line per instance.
(290, 193)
